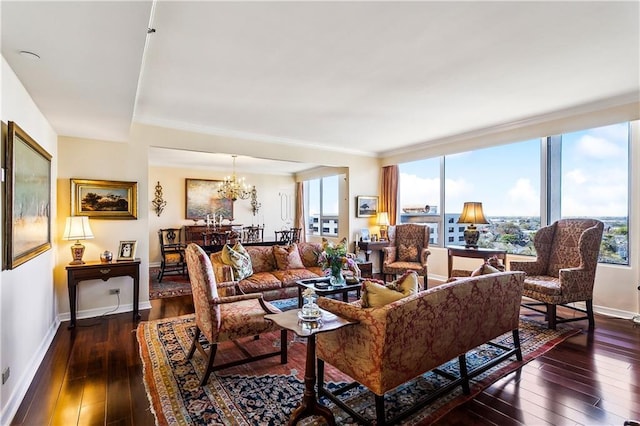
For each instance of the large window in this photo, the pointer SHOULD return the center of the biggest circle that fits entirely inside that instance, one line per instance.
(595, 183)
(321, 205)
(586, 175)
(506, 180)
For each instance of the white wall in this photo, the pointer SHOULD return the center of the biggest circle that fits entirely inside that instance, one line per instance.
(28, 311)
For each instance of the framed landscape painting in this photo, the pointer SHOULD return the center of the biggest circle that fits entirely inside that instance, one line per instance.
(27, 198)
(202, 199)
(367, 206)
(104, 199)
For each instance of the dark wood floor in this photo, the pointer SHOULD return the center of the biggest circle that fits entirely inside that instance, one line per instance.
(93, 376)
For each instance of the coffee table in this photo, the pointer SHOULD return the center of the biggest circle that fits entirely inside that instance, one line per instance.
(327, 290)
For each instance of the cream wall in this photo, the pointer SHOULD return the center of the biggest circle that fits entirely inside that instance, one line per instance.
(28, 311)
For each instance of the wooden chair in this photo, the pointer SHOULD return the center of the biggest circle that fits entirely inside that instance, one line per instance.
(295, 235)
(564, 270)
(253, 234)
(408, 250)
(226, 318)
(172, 252)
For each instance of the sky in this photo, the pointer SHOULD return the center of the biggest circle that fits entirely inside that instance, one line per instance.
(506, 179)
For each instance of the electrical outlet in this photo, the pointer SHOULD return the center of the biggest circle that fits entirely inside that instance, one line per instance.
(5, 375)
(114, 291)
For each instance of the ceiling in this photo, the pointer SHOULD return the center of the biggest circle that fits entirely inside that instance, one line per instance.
(360, 77)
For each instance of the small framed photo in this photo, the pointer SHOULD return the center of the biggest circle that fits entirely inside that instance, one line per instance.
(127, 250)
(364, 234)
(367, 206)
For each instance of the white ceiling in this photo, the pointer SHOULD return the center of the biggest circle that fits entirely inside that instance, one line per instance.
(363, 77)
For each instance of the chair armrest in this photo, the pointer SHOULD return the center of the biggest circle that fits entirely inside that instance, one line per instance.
(576, 281)
(227, 288)
(389, 255)
(221, 271)
(528, 267)
(424, 254)
(342, 309)
(236, 298)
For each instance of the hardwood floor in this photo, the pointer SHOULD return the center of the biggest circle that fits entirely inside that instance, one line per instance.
(93, 376)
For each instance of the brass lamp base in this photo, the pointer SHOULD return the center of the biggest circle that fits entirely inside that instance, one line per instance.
(471, 236)
(77, 251)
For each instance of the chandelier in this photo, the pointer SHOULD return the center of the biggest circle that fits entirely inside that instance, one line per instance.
(233, 188)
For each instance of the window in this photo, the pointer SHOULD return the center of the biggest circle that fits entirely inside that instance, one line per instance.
(506, 179)
(595, 183)
(321, 205)
(420, 195)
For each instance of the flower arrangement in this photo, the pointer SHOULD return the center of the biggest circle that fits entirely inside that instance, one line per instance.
(334, 259)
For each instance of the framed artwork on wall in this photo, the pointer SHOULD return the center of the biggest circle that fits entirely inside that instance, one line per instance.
(202, 199)
(27, 197)
(366, 206)
(104, 199)
(127, 250)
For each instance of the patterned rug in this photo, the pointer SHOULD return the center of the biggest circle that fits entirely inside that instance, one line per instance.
(266, 392)
(172, 285)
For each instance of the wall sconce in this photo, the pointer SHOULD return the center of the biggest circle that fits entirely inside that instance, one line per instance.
(158, 202)
(255, 205)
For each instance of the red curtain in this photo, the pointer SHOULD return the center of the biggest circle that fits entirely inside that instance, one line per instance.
(389, 192)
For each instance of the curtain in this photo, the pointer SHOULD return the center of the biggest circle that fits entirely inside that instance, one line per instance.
(389, 192)
(299, 217)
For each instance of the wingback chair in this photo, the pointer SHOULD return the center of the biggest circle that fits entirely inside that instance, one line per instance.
(408, 250)
(226, 318)
(565, 268)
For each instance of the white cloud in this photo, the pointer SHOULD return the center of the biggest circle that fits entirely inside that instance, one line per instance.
(418, 192)
(522, 199)
(598, 148)
(577, 176)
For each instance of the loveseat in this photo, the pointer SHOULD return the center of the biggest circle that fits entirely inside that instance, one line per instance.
(274, 269)
(396, 342)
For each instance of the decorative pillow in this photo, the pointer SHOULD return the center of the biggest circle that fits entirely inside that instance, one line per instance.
(408, 253)
(375, 294)
(239, 260)
(484, 270)
(287, 257)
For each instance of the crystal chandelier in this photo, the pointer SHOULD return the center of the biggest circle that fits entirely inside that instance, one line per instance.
(233, 188)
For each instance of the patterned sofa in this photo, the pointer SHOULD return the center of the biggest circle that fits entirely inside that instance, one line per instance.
(275, 269)
(397, 342)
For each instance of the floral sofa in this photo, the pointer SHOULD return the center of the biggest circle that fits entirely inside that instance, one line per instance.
(394, 343)
(274, 269)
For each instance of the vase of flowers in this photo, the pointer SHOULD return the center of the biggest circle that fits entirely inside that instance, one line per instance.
(334, 259)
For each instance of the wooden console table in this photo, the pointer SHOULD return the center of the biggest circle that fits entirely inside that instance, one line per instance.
(477, 253)
(369, 246)
(96, 270)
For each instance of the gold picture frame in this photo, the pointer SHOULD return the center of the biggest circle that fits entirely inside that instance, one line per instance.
(104, 199)
(27, 197)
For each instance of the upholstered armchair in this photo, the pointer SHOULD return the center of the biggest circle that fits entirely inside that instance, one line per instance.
(226, 318)
(408, 250)
(565, 268)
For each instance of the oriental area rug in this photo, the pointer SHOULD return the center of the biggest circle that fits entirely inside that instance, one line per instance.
(172, 285)
(266, 392)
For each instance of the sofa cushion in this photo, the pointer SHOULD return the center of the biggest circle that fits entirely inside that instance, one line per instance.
(375, 294)
(408, 253)
(289, 277)
(287, 257)
(484, 269)
(309, 253)
(262, 258)
(258, 282)
(238, 258)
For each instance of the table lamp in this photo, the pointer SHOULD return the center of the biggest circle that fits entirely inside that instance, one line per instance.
(472, 214)
(383, 223)
(77, 228)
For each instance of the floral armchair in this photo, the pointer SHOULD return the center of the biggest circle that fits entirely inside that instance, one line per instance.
(226, 318)
(565, 268)
(408, 251)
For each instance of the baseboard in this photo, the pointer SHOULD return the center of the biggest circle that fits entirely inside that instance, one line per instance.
(24, 381)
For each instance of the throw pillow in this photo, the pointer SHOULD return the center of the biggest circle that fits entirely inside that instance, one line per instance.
(407, 253)
(376, 294)
(484, 269)
(239, 260)
(287, 257)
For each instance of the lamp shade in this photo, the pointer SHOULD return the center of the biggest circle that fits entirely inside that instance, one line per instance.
(77, 228)
(383, 219)
(472, 213)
